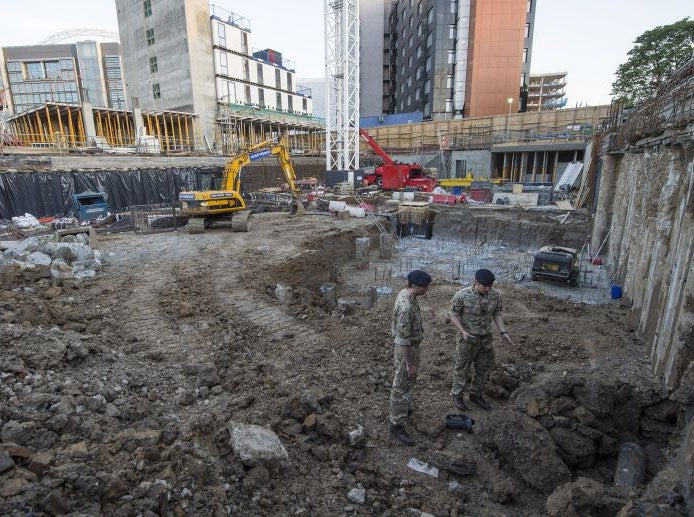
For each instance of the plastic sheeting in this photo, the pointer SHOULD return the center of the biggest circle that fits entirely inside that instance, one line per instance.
(50, 193)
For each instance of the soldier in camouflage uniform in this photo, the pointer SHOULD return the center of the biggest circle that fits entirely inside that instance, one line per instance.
(407, 332)
(472, 311)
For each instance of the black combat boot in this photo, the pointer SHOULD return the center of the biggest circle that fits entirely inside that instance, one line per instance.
(479, 400)
(460, 402)
(398, 431)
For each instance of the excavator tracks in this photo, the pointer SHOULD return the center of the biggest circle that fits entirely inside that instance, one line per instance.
(196, 225)
(239, 221)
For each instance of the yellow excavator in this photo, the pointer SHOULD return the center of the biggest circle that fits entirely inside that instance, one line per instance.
(207, 208)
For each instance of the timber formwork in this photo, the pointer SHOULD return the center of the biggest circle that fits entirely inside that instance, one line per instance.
(62, 126)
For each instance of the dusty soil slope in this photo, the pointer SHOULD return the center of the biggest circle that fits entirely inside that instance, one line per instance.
(117, 394)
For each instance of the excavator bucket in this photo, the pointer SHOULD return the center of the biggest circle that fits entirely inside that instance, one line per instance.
(296, 209)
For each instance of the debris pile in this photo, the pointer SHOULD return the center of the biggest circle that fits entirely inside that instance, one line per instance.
(36, 258)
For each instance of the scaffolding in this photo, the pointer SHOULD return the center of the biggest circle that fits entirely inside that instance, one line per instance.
(240, 127)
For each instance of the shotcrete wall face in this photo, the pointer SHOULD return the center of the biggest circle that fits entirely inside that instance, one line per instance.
(648, 208)
(516, 228)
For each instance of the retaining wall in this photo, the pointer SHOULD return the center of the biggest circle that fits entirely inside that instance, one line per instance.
(646, 211)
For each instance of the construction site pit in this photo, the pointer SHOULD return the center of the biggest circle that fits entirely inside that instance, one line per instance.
(125, 393)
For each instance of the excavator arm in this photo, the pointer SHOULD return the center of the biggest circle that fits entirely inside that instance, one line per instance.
(232, 172)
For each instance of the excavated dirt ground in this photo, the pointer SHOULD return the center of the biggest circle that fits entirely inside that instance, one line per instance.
(128, 382)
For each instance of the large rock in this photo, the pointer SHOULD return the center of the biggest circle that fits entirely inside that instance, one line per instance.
(583, 497)
(299, 407)
(685, 393)
(79, 251)
(255, 445)
(60, 270)
(576, 450)
(598, 395)
(527, 447)
(684, 466)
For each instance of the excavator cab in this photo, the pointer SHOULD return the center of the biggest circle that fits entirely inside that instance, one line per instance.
(213, 207)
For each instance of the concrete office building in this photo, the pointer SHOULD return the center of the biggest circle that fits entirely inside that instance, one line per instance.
(374, 60)
(546, 91)
(185, 55)
(449, 58)
(71, 73)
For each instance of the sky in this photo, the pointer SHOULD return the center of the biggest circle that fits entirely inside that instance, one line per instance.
(586, 38)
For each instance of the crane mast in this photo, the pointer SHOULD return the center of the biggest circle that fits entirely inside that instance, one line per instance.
(342, 84)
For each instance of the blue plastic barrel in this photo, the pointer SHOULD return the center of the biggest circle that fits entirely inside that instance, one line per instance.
(616, 291)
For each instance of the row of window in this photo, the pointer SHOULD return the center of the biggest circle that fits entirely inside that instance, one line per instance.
(233, 95)
(224, 70)
(38, 99)
(38, 70)
(45, 87)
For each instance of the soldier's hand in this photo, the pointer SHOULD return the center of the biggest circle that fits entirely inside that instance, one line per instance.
(507, 338)
(411, 370)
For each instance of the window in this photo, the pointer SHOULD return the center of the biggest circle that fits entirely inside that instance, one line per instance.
(223, 63)
(305, 104)
(278, 100)
(419, 30)
(150, 37)
(418, 73)
(419, 9)
(409, 100)
(147, 4)
(419, 51)
(290, 103)
(222, 35)
(451, 57)
(451, 31)
(449, 81)
(427, 87)
(52, 69)
(247, 92)
(156, 91)
(261, 97)
(411, 41)
(153, 66)
(449, 105)
(530, 5)
(411, 21)
(259, 70)
(402, 52)
(409, 81)
(527, 30)
(246, 71)
(427, 64)
(34, 70)
(430, 15)
(454, 6)
(429, 39)
(289, 83)
(522, 81)
(525, 55)
(278, 78)
(417, 94)
(409, 62)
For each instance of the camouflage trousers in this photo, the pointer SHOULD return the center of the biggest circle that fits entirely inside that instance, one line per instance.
(403, 384)
(473, 360)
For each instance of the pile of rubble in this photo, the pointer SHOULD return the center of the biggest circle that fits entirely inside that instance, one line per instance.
(36, 258)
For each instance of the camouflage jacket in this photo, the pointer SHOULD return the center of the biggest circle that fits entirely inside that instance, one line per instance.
(476, 311)
(407, 319)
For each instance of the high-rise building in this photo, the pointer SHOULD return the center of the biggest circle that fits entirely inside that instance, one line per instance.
(546, 91)
(449, 58)
(187, 55)
(66, 73)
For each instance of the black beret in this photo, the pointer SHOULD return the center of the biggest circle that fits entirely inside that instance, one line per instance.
(484, 277)
(419, 277)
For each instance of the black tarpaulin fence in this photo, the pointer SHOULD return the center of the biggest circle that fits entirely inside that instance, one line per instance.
(45, 194)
